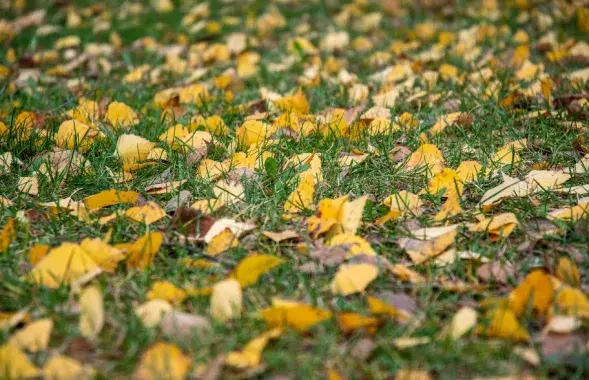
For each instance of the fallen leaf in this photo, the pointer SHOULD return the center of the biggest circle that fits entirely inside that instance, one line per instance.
(132, 148)
(402, 343)
(152, 312)
(142, 252)
(148, 214)
(502, 323)
(180, 325)
(15, 364)
(562, 324)
(120, 115)
(226, 300)
(28, 185)
(34, 337)
(463, 321)
(7, 234)
(168, 292)
(252, 267)
(251, 354)
(91, 312)
(536, 291)
(109, 198)
(396, 305)
(349, 322)
(421, 250)
(278, 237)
(299, 316)
(353, 278)
(567, 272)
(162, 360)
(66, 264)
(498, 226)
(61, 367)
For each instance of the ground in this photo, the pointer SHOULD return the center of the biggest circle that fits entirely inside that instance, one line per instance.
(454, 131)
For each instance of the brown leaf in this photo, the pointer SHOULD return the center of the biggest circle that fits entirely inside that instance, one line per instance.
(330, 256)
(399, 153)
(80, 349)
(363, 349)
(180, 325)
(400, 301)
(496, 271)
(191, 223)
(558, 346)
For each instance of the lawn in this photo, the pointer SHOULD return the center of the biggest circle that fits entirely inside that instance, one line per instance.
(294, 189)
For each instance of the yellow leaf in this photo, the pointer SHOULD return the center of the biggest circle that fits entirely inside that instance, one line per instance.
(9, 320)
(251, 268)
(567, 272)
(422, 250)
(302, 197)
(229, 193)
(350, 322)
(226, 300)
(91, 312)
(152, 312)
(536, 290)
(132, 148)
(73, 134)
(508, 154)
(404, 201)
(351, 215)
(571, 301)
(498, 226)
(103, 254)
(448, 119)
(163, 361)
(358, 245)
(447, 180)
(15, 364)
(449, 209)
(109, 198)
(407, 274)
(503, 323)
(299, 316)
(427, 155)
(177, 131)
(468, 171)
(142, 252)
(167, 291)
(463, 321)
(251, 354)
(28, 185)
(296, 102)
(211, 170)
(412, 374)
(7, 234)
(61, 367)
(220, 243)
(34, 337)
(571, 214)
(253, 132)
(379, 307)
(148, 213)
(65, 264)
(353, 278)
(119, 114)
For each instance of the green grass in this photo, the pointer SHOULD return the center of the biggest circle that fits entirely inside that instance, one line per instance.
(124, 338)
